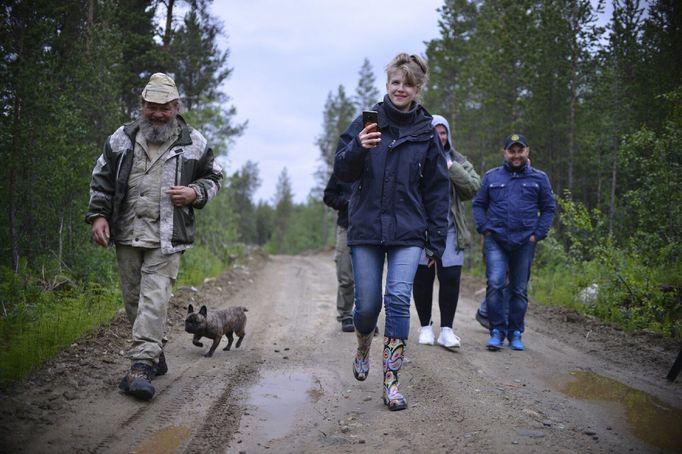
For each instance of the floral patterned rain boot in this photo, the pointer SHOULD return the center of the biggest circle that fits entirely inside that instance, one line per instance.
(361, 361)
(393, 360)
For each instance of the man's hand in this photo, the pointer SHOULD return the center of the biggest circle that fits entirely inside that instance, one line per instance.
(181, 195)
(100, 231)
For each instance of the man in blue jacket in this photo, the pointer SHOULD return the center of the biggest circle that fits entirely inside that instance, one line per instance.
(514, 210)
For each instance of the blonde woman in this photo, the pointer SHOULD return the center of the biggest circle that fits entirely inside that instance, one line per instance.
(399, 207)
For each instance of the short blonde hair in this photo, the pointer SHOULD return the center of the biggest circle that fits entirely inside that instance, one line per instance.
(413, 67)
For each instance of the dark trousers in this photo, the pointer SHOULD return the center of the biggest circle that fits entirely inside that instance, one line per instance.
(448, 295)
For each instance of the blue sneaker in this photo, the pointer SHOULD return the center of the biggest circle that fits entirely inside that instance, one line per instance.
(496, 341)
(515, 341)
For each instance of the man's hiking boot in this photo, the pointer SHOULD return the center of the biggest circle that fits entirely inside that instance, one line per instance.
(138, 382)
(347, 325)
(162, 366)
(496, 341)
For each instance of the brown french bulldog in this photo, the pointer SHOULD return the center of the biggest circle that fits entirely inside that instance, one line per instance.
(215, 324)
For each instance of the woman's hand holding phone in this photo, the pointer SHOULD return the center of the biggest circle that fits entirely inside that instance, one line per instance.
(370, 136)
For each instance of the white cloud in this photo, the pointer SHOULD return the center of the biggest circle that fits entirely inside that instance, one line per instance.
(287, 56)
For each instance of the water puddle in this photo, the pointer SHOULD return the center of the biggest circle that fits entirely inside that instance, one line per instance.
(272, 405)
(649, 419)
(164, 441)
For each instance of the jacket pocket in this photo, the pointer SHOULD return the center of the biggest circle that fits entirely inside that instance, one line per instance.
(528, 199)
(530, 191)
(496, 191)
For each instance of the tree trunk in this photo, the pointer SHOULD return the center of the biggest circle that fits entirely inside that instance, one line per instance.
(12, 215)
(60, 252)
(612, 201)
(573, 95)
(169, 25)
(90, 23)
(14, 154)
(91, 14)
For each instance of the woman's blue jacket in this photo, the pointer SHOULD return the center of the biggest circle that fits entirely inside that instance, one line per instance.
(402, 195)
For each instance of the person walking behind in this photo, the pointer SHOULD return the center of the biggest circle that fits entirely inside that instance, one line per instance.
(514, 209)
(336, 196)
(464, 184)
(145, 186)
(399, 206)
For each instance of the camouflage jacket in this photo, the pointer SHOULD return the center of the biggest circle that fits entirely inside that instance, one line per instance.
(189, 162)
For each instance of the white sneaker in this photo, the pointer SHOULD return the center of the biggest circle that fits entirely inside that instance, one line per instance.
(448, 338)
(426, 335)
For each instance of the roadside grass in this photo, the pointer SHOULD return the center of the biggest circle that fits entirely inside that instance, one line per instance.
(37, 322)
(36, 330)
(615, 286)
(621, 290)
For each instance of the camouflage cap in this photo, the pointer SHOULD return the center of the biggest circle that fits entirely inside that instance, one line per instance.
(160, 89)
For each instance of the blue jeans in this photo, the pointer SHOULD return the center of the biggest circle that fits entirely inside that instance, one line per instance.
(483, 307)
(517, 263)
(368, 270)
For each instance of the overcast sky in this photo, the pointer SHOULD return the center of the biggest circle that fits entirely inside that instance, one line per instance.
(286, 58)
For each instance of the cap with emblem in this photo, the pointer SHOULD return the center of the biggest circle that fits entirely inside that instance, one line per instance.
(515, 138)
(160, 89)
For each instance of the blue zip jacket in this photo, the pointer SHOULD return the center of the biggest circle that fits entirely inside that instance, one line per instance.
(402, 195)
(514, 205)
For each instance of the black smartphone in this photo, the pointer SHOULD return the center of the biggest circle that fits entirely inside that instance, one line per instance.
(370, 116)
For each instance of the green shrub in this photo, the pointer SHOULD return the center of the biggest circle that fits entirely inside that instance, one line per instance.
(34, 330)
(634, 291)
(197, 264)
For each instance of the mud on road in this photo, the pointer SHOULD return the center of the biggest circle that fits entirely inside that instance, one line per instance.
(580, 386)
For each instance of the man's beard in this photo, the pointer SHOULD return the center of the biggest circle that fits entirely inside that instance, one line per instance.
(157, 134)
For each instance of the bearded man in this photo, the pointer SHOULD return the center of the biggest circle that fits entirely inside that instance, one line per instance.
(153, 172)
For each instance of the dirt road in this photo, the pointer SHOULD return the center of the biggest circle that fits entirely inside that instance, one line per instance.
(289, 387)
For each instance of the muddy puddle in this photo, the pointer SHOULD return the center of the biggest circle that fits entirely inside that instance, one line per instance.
(271, 406)
(648, 418)
(164, 441)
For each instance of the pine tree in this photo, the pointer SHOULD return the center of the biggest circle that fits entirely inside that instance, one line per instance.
(366, 92)
(621, 65)
(57, 97)
(284, 206)
(338, 113)
(662, 68)
(200, 68)
(134, 19)
(566, 33)
(242, 186)
(449, 90)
